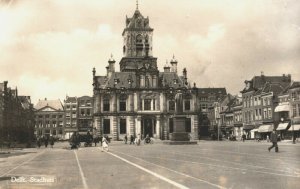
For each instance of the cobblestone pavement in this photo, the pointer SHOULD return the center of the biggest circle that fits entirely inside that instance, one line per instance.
(209, 164)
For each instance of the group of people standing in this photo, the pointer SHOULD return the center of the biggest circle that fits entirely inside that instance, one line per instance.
(46, 141)
(137, 140)
(89, 139)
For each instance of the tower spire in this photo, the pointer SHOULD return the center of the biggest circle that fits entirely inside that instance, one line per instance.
(137, 4)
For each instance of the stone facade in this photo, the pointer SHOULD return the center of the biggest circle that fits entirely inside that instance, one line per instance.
(49, 118)
(140, 99)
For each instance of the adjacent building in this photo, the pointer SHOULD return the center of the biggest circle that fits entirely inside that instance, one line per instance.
(85, 114)
(49, 118)
(288, 111)
(260, 97)
(206, 97)
(16, 116)
(70, 114)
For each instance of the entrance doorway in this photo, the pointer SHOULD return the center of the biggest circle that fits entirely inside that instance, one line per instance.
(148, 126)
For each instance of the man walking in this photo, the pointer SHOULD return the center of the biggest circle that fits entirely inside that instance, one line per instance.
(273, 139)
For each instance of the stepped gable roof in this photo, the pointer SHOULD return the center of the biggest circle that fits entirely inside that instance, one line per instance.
(25, 101)
(167, 79)
(55, 104)
(121, 79)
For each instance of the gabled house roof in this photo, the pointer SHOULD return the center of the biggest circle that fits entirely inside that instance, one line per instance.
(55, 104)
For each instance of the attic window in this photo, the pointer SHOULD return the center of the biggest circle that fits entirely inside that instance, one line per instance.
(129, 81)
(175, 81)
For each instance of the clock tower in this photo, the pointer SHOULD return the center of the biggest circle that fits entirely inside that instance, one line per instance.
(137, 43)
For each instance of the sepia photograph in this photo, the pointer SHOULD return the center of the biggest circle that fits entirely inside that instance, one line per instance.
(149, 94)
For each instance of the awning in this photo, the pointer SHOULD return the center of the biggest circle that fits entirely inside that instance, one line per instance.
(282, 126)
(282, 108)
(265, 128)
(254, 130)
(248, 127)
(296, 127)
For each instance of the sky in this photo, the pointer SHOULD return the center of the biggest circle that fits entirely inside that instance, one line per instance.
(48, 48)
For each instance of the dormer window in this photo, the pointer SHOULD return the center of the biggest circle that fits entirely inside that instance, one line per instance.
(129, 81)
(175, 81)
(116, 81)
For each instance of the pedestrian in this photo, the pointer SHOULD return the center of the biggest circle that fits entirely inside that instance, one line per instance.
(38, 142)
(138, 140)
(73, 141)
(104, 144)
(46, 142)
(96, 140)
(125, 139)
(268, 140)
(51, 141)
(273, 139)
(131, 139)
(243, 137)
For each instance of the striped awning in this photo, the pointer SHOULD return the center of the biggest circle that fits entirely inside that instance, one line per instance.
(296, 127)
(265, 128)
(282, 126)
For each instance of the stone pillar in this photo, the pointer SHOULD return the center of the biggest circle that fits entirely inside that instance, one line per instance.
(131, 102)
(132, 125)
(97, 103)
(115, 128)
(97, 124)
(166, 127)
(195, 128)
(136, 102)
(115, 103)
(138, 125)
(158, 127)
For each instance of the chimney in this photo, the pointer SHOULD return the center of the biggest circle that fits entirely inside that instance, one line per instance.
(167, 67)
(289, 77)
(5, 85)
(174, 64)
(185, 76)
(108, 73)
(94, 72)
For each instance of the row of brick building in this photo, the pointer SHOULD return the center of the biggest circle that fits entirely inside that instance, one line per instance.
(52, 117)
(16, 116)
(266, 103)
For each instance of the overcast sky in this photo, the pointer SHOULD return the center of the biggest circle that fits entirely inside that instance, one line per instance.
(48, 48)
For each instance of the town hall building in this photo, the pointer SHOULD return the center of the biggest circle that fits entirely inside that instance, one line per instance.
(140, 99)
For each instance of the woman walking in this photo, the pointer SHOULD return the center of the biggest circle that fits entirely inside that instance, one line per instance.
(104, 144)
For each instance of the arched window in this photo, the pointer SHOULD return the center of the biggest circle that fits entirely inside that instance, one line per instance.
(139, 38)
